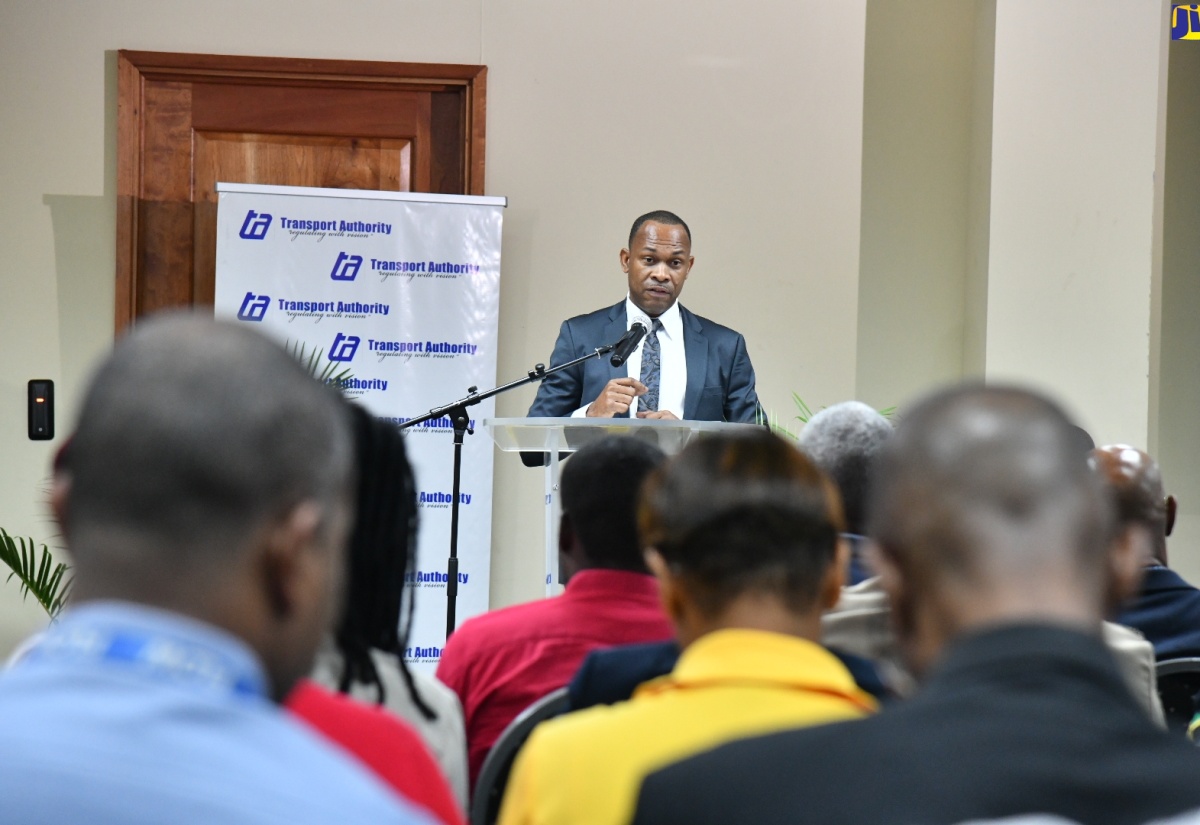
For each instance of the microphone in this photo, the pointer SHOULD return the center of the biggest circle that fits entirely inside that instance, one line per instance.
(628, 343)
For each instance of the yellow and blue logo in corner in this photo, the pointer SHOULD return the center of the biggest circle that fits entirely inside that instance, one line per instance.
(1185, 22)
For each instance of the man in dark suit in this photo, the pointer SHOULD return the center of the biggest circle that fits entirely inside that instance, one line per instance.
(1166, 608)
(687, 367)
(999, 552)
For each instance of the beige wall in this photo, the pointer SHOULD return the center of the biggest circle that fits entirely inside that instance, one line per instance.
(1074, 153)
(1179, 434)
(918, 130)
(747, 122)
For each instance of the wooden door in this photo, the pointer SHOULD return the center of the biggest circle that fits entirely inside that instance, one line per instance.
(185, 122)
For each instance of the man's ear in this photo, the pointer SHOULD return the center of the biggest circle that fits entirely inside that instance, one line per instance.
(1127, 559)
(1172, 511)
(884, 564)
(289, 558)
(895, 584)
(624, 256)
(835, 576)
(569, 562)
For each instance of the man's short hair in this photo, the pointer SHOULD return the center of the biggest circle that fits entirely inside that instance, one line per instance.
(844, 441)
(736, 513)
(980, 479)
(600, 485)
(658, 216)
(1135, 479)
(193, 434)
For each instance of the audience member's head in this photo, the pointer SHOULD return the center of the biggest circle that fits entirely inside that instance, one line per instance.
(210, 475)
(1136, 480)
(743, 525)
(377, 613)
(985, 511)
(844, 440)
(600, 486)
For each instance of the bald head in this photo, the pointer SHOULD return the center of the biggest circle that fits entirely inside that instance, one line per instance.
(983, 491)
(844, 440)
(1136, 480)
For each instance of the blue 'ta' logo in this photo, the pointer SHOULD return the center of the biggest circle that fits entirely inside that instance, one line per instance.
(254, 307)
(255, 227)
(344, 347)
(346, 267)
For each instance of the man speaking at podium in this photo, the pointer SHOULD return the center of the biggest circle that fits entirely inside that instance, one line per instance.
(686, 367)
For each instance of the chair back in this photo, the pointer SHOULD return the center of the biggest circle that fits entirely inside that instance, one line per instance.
(493, 776)
(1178, 687)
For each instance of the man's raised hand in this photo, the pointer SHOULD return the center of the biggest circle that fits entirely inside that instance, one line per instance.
(616, 397)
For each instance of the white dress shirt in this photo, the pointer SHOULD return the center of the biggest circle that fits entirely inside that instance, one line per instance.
(672, 381)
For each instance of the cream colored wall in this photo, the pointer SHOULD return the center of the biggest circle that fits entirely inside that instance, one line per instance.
(1178, 446)
(979, 191)
(746, 120)
(1074, 142)
(916, 167)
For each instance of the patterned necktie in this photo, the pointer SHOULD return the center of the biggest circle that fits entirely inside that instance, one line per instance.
(651, 367)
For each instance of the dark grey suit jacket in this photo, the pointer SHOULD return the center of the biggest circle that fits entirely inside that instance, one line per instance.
(720, 378)
(1017, 720)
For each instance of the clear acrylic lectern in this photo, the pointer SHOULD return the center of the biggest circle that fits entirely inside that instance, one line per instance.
(558, 436)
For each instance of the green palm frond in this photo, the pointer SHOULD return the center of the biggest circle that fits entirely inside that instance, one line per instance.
(42, 577)
(327, 372)
(805, 413)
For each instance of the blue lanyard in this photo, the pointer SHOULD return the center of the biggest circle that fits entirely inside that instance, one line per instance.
(157, 656)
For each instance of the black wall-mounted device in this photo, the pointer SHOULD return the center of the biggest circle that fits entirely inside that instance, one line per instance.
(41, 410)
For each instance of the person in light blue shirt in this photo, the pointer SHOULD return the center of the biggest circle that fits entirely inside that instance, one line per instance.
(204, 498)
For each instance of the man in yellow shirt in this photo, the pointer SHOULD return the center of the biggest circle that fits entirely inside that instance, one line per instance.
(742, 533)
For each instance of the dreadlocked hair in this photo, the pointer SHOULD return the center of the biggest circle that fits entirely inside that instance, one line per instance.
(381, 557)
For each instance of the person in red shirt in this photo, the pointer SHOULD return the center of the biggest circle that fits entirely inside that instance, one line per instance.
(503, 661)
(381, 741)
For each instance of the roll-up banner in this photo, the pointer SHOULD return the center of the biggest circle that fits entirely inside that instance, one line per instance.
(402, 290)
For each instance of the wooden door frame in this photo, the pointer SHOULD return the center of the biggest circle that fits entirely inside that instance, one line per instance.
(136, 67)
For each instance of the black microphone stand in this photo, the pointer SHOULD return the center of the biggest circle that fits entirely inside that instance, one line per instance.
(456, 411)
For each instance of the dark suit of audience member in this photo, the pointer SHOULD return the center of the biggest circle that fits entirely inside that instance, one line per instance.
(719, 383)
(1000, 555)
(610, 676)
(1167, 612)
(1166, 608)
